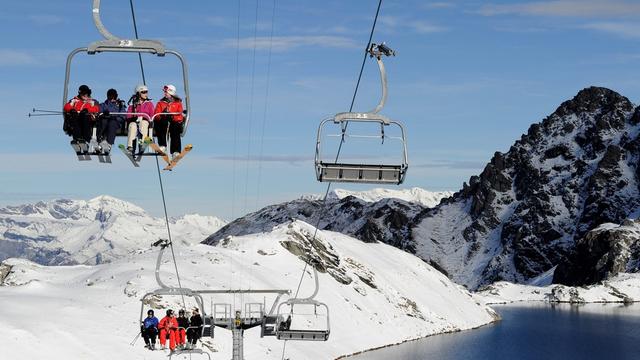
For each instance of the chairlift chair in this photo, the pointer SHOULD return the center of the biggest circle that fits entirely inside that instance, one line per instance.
(373, 173)
(289, 323)
(115, 44)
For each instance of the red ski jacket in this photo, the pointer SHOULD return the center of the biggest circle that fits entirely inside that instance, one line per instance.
(168, 323)
(78, 105)
(170, 106)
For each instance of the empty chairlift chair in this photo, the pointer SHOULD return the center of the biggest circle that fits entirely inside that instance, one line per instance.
(373, 173)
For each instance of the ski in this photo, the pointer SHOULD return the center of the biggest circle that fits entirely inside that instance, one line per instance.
(159, 151)
(176, 159)
(81, 154)
(143, 147)
(129, 155)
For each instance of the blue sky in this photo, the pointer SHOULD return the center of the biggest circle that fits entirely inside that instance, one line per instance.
(468, 80)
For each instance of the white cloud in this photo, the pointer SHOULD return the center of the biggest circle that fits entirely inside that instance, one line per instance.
(419, 26)
(439, 5)
(423, 27)
(566, 8)
(281, 43)
(10, 57)
(46, 19)
(627, 30)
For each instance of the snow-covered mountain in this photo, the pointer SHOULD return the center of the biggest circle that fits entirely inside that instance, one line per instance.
(89, 232)
(525, 212)
(522, 216)
(376, 215)
(377, 295)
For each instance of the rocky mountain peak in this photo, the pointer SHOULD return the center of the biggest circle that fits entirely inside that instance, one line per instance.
(571, 172)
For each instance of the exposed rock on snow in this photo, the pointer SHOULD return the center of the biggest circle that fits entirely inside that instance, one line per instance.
(89, 232)
(602, 253)
(392, 296)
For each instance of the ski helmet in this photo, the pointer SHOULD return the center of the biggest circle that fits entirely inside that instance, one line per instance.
(170, 89)
(150, 312)
(84, 90)
(140, 88)
(169, 312)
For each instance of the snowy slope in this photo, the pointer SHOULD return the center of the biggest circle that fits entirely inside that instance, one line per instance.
(623, 288)
(89, 232)
(414, 195)
(377, 295)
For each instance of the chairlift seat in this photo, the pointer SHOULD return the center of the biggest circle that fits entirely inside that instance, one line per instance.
(360, 173)
(304, 335)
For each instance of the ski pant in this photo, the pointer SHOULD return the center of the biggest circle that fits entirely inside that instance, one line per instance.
(81, 126)
(180, 336)
(108, 128)
(172, 338)
(161, 125)
(134, 126)
(193, 335)
(149, 335)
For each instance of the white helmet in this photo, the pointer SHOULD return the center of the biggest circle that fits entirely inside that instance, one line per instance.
(170, 89)
(141, 88)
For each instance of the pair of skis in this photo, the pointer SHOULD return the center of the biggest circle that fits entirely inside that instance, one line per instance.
(83, 154)
(171, 163)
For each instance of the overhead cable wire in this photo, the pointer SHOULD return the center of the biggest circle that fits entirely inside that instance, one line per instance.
(266, 102)
(326, 194)
(164, 203)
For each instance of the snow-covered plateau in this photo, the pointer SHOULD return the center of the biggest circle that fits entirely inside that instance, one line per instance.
(377, 295)
(623, 288)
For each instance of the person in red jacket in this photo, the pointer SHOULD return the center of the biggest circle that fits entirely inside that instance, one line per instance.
(168, 327)
(174, 123)
(79, 115)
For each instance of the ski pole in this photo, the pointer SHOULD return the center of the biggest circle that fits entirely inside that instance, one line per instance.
(135, 338)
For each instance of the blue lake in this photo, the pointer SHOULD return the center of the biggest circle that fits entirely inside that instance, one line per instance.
(592, 331)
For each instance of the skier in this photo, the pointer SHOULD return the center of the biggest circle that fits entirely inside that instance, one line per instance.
(108, 124)
(139, 103)
(79, 115)
(149, 330)
(193, 334)
(174, 123)
(183, 324)
(168, 326)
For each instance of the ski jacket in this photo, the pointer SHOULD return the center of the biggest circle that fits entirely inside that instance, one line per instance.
(146, 106)
(113, 106)
(168, 323)
(183, 322)
(78, 105)
(150, 322)
(196, 321)
(170, 105)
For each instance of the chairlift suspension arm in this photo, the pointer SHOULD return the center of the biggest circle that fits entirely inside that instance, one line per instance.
(98, 22)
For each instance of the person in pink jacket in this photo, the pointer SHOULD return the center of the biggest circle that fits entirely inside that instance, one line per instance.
(139, 103)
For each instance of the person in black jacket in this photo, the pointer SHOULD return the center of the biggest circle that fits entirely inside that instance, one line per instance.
(193, 334)
(183, 324)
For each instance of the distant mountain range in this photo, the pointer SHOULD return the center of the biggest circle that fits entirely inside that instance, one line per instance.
(64, 232)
